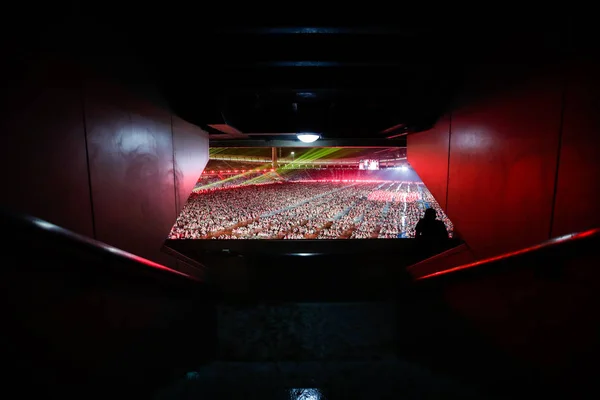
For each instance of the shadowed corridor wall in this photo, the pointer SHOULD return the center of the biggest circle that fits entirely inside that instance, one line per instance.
(515, 162)
(95, 158)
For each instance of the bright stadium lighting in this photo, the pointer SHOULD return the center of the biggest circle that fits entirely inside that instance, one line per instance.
(307, 137)
(404, 168)
(305, 394)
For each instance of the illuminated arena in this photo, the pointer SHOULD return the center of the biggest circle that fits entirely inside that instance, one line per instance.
(306, 201)
(223, 203)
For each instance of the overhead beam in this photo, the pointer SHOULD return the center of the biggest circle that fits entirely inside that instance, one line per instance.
(316, 63)
(228, 130)
(320, 30)
(348, 143)
(281, 161)
(393, 128)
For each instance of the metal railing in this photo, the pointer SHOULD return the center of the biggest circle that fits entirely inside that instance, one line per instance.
(31, 226)
(556, 245)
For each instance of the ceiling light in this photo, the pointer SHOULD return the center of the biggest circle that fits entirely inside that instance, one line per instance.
(307, 137)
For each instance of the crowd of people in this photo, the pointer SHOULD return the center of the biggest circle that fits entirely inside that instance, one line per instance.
(327, 174)
(345, 174)
(267, 206)
(219, 181)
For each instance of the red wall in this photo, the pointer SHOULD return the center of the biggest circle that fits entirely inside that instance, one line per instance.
(433, 170)
(505, 140)
(578, 186)
(503, 154)
(142, 165)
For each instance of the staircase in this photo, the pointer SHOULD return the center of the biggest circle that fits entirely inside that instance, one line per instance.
(82, 319)
(332, 350)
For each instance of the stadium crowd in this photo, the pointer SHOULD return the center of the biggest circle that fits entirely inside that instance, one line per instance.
(208, 183)
(228, 179)
(267, 206)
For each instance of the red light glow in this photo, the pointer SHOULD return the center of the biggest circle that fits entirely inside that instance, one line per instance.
(549, 243)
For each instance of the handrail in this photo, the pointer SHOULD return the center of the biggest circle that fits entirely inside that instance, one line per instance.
(549, 244)
(453, 250)
(34, 223)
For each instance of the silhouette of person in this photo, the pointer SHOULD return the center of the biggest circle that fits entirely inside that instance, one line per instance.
(429, 227)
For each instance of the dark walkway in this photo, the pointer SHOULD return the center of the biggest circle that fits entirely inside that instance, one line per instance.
(368, 380)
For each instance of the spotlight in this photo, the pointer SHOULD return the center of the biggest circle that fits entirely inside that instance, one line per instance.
(307, 137)
(404, 168)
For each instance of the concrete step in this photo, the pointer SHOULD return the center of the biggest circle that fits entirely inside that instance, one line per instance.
(390, 379)
(306, 331)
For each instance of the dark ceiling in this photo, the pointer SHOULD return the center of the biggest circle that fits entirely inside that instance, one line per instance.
(299, 152)
(372, 82)
(339, 82)
(359, 83)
